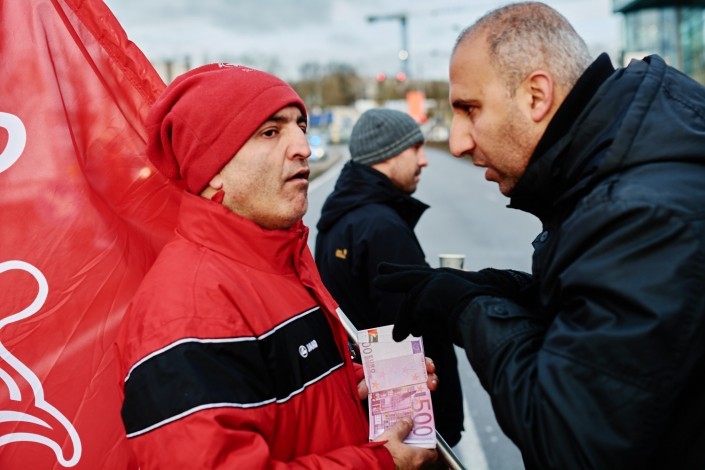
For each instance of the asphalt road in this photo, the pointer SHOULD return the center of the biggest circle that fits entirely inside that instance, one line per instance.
(467, 216)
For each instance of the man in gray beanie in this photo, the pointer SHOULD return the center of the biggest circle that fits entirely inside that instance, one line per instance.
(370, 218)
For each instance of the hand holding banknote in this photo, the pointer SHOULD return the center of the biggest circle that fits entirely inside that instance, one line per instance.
(396, 376)
(406, 457)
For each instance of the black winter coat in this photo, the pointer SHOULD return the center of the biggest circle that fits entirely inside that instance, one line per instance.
(606, 369)
(364, 222)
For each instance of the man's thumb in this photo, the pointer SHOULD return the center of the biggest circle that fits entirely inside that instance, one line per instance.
(402, 428)
(397, 432)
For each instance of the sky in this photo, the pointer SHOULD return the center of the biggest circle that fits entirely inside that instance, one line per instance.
(281, 35)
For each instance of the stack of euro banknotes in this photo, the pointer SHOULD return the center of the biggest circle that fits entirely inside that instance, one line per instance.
(396, 377)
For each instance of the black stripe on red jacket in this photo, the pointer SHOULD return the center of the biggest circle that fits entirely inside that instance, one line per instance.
(193, 374)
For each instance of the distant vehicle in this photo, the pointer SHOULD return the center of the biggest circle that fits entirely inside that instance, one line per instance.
(439, 133)
(319, 146)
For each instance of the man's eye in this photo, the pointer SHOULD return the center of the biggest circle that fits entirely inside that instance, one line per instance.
(269, 133)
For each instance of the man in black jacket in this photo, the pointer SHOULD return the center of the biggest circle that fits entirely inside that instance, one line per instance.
(596, 359)
(370, 218)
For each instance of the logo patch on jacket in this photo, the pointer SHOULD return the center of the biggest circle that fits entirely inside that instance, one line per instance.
(341, 253)
(310, 346)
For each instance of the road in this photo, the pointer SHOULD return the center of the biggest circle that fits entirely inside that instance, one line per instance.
(468, 216)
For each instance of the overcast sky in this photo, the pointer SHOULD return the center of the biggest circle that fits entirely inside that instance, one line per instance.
(281, 35)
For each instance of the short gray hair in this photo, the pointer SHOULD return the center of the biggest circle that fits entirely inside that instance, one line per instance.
(523, 37)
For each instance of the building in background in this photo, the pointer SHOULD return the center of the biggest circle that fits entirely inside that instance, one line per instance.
(673, 29)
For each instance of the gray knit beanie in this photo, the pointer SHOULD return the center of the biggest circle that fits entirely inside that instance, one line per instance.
(380, 134)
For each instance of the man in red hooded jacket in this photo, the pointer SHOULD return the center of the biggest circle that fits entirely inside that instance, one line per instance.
(231, 351)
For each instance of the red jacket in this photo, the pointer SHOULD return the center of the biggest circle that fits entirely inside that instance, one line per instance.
(231, 357)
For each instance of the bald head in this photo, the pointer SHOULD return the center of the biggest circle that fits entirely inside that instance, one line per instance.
(527, 36)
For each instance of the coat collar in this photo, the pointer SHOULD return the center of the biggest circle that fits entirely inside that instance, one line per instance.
(359, 185)
(566, 146)
(213, 226)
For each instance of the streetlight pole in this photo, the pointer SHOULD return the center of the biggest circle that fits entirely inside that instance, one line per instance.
(404, 51)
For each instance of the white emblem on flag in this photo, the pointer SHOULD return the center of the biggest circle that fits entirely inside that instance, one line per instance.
(16, 140)
(17, 377)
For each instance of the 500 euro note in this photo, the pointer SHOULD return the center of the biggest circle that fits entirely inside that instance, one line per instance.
(396, 378)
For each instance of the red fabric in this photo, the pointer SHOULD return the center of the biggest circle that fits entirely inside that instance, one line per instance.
(206, 115)
(83, 215)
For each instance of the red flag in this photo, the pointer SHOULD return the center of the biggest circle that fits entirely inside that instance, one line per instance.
(83, 215)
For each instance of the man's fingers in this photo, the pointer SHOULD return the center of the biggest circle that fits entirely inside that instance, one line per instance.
(399, 282)
(430, 365)
(362, 390)
(399, 277)
(398, 431)
(392, 268)
(402, 428)
(432, 382)
(400, 332)
(402, 325)
(405, 321)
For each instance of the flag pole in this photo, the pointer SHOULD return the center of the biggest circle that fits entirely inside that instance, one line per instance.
(442, 446)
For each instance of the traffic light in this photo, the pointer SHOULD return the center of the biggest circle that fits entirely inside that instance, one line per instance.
(381, 77)
(401, 77)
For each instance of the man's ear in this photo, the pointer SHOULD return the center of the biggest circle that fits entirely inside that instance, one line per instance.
(216, 182)
(384, 166)
(540, 93)
(215, 185)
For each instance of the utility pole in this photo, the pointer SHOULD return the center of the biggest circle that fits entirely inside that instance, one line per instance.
(404, 51)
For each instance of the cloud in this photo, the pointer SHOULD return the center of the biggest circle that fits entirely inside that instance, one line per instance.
(281, 35)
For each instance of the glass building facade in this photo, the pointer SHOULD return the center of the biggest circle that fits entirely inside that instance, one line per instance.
(672, 29)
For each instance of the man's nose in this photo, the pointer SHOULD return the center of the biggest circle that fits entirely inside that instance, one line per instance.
(423, 161)
(300, 148)
(461, 141)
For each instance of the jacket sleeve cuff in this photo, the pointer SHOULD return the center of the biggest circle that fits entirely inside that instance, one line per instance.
(381, 454)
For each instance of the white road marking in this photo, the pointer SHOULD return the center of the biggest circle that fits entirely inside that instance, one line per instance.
(469, 450)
